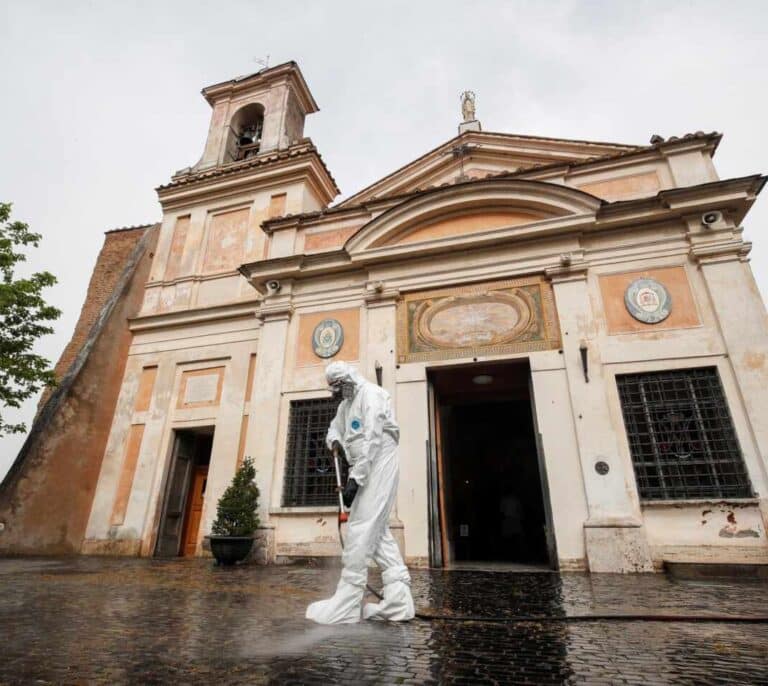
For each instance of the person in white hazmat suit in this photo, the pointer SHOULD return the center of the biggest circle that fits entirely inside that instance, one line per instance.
(365, 431)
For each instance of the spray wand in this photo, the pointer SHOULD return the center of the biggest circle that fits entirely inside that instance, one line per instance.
(343, 514)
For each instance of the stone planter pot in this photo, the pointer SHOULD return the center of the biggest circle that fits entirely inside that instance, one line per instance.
(229, 550)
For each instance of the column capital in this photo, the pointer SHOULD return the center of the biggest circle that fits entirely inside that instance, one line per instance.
(721, 251)
(378, 295)
(275, 312)
(571, 268)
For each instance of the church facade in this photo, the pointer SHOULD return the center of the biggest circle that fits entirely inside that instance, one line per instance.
(570, 331)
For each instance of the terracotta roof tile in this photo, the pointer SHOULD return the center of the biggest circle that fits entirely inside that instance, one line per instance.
(343, 207)
(132, 228)
(305, 147)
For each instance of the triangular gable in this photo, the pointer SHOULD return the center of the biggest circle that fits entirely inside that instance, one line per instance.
(478, 154)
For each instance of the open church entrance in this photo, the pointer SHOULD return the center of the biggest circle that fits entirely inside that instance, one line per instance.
(185, 493)
(487, 480)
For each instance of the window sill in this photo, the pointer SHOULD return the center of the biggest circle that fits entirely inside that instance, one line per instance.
(304, 510)
(694, 502)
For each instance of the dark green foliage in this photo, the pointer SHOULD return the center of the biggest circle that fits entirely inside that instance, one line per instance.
(22, 315)
(236, 511)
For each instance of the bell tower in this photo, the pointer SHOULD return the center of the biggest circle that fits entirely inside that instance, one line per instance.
(256, 114)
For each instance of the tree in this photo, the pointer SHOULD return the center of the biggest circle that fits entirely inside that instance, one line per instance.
(236, 510)
(23, 317)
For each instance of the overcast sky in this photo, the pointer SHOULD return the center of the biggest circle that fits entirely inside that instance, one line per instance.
(101, 100)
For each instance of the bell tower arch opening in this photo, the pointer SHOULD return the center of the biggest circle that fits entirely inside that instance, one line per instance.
(256, 114)
(244, 134)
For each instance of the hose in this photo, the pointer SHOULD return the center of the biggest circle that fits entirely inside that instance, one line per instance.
(570, 619)
(520, 619)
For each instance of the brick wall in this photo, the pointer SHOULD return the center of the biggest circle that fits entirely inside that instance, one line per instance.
(110, 264)
(45, 500)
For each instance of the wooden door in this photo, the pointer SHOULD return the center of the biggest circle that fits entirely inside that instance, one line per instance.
(194, 510)
(169, 540)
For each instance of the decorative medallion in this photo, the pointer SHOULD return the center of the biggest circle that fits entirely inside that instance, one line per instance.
(491, 318)
(327, 338)
(466, 321)
(648, 301)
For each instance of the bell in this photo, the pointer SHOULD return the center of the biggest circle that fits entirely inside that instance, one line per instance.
(247, 136)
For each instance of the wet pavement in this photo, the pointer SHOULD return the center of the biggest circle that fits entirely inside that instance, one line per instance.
(97, 620)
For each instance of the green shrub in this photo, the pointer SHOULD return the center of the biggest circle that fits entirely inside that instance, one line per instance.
(236, 511)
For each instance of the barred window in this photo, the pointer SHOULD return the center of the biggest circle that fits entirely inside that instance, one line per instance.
(681, 435)
(309, 475)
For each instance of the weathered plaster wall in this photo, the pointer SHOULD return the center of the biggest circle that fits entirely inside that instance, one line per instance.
(683, 315)
(483, 220)
(200, 382)
(198, 315)
(625, 187)
(46, 497)
(706, 531)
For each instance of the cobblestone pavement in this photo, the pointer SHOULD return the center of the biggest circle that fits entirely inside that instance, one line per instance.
(94, 620)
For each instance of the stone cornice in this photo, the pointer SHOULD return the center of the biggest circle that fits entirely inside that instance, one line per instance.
(566, 170)
(318, 218)
(733, 195)
(721, 251)
(299, 163)
(294, 266)
(288, 72)
(534, 148)
(574, 156)
(197, 315)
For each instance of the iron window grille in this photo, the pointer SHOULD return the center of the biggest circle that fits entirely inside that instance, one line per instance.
(310, 479)
(681, 436)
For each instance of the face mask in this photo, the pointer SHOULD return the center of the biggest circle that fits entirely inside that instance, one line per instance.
(343, 390)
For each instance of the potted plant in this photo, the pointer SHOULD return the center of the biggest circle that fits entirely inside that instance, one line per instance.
(236, 519)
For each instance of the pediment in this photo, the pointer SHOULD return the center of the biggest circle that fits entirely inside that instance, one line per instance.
(473, 220)
(456, 214)
(479, 155)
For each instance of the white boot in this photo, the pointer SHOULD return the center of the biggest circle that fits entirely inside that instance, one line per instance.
(342, 608)
(397, 605)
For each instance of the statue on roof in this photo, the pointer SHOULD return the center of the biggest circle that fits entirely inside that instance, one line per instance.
(468, 106)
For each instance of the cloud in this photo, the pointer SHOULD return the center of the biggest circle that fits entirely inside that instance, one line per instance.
(101, 100)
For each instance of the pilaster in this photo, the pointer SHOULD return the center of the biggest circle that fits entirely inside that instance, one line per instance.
(412, 491)
(614, 536)
(381, 304)
(743, 324)
(264, 417)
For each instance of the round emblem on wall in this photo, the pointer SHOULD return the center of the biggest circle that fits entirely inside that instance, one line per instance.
(648, 301)
(327, 338)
